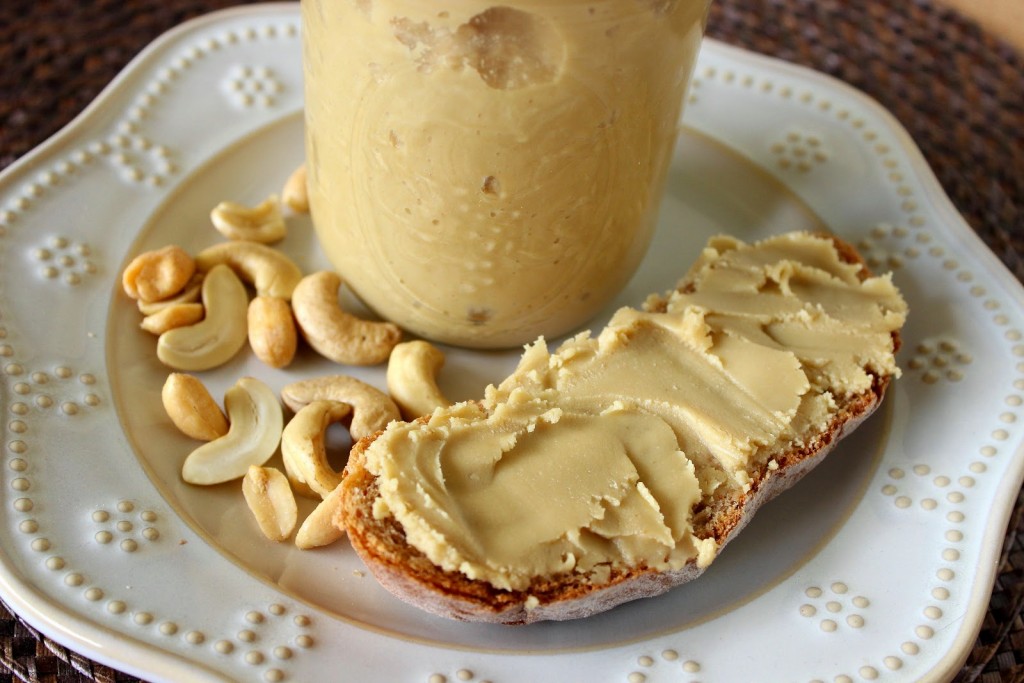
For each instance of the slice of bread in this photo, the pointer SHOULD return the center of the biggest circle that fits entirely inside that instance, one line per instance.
(721, 513)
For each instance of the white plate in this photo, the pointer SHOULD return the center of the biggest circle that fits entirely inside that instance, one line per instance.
(878, 566)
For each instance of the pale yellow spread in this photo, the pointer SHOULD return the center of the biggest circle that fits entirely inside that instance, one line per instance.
(594, 456)
(483, 175)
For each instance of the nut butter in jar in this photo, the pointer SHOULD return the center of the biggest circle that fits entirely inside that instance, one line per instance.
(484, 174)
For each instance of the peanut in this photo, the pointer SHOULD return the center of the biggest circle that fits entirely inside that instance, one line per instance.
(272, 333)
(158, 274)
(295, 195)
(191, 408)
(271, 501)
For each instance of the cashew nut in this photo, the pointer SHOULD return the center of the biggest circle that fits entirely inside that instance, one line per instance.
(411, 378)
(256, 420)
(270, 271)
(303, 449)
(192, 409)
(262, 223)
(334, 334)
(270, 499)
(272, 334)
(218, 337)
(372, 409)
(318, 529)
(170, 317)
(189, 295)
(158, 274)
(295, 195)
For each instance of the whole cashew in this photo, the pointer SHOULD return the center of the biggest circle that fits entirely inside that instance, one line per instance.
(191, 408)
(412, 370)
(337, 335)
(270, 271)
(261, 223)
(304, 451)
(372, 409)
(256, 423)
(170, 317)
(216, 338)
(318, 529)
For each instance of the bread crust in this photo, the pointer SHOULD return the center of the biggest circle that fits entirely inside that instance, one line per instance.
(410, 575)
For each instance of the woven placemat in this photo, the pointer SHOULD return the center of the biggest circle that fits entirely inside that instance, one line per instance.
(958, 91)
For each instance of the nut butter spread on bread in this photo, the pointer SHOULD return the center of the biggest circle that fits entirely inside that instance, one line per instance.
(619, 465)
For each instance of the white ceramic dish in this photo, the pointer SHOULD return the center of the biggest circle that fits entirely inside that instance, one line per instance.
(878, 566)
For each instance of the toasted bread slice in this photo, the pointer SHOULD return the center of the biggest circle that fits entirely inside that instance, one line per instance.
(721, 513)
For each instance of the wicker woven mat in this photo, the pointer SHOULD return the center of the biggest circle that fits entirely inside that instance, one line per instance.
(958, 91)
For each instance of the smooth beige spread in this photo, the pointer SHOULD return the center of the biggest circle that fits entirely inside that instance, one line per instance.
(484, 174)
(594, 456)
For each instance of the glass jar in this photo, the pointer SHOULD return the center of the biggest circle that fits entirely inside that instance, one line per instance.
(484, 174)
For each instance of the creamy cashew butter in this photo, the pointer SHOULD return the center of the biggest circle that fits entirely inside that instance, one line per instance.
(598, 455)
(484, 174)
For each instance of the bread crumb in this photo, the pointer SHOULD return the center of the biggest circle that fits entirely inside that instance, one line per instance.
(381, 509)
